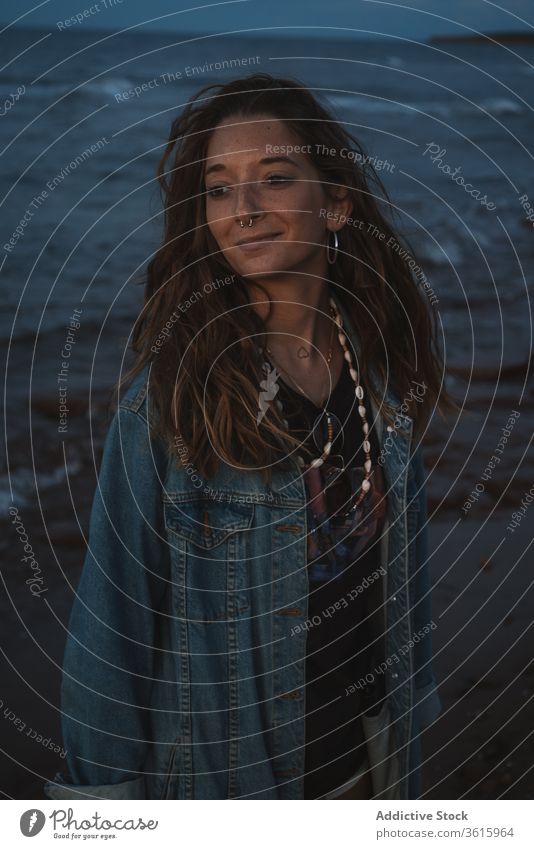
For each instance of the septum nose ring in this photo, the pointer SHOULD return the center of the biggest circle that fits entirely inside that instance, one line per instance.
(250, 222)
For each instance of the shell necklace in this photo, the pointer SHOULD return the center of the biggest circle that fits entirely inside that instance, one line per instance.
(318, 461)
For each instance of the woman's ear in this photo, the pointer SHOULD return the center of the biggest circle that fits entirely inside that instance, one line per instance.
(340, 207)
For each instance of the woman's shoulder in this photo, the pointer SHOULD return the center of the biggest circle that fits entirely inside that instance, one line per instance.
(135, 396)
(131, 432)
(134, 410)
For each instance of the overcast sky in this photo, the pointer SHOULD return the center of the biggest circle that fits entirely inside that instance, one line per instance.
(416, 18)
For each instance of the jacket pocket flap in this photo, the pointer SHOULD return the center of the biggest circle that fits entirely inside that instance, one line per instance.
(59, 788)
(205, 521)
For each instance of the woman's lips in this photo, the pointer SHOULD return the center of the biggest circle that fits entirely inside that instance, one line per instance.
(259, 243)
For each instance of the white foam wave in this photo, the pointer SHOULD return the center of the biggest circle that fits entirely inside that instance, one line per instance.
(23, 484)
(447, 252)
(106, 87)
(395, 62)
(447, 110)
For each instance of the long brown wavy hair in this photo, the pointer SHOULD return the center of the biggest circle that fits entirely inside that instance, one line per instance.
(205, 371)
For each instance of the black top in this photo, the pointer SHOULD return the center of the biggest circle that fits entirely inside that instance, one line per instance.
(342, 551)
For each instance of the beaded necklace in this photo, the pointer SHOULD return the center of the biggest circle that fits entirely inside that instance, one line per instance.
(318, 461)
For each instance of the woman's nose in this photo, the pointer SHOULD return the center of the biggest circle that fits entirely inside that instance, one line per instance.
(246, 199)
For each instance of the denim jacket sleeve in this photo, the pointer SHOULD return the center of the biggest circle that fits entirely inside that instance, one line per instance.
(427, 704)
(109, 651)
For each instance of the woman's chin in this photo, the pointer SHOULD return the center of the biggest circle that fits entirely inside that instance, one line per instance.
(261, 269)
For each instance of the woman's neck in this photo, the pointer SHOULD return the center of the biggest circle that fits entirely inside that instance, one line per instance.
(299, 324)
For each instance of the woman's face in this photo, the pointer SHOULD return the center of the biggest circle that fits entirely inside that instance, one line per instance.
(258, 167)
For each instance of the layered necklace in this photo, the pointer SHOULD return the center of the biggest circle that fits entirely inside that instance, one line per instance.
(330, 417)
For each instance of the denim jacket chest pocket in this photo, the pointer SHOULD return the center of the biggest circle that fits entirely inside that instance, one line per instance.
(210, 544)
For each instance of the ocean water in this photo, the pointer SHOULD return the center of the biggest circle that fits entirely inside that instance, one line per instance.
(90, 229)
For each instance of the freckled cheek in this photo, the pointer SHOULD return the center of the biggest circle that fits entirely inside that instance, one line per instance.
(218, 231)
(303, 227)
(222, 224)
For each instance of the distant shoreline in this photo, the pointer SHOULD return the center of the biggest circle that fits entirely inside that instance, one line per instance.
(501, 37)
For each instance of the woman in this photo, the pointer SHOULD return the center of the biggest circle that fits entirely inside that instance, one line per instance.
(253, 617)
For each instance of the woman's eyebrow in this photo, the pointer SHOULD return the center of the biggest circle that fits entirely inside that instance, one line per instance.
(268, 160)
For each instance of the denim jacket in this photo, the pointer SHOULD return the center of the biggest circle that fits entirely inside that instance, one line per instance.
(184, 668)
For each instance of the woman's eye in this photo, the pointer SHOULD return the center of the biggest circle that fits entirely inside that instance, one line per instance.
(279, 178)
(273, 179)
(216, 191)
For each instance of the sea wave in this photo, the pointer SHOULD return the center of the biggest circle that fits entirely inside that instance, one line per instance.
(107, 86)
(495, 106)
(447, 252)
(21, 486)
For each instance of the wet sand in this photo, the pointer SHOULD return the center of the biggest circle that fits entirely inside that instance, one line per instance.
(481, 745)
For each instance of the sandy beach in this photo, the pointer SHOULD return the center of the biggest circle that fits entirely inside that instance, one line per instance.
(481, 745)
